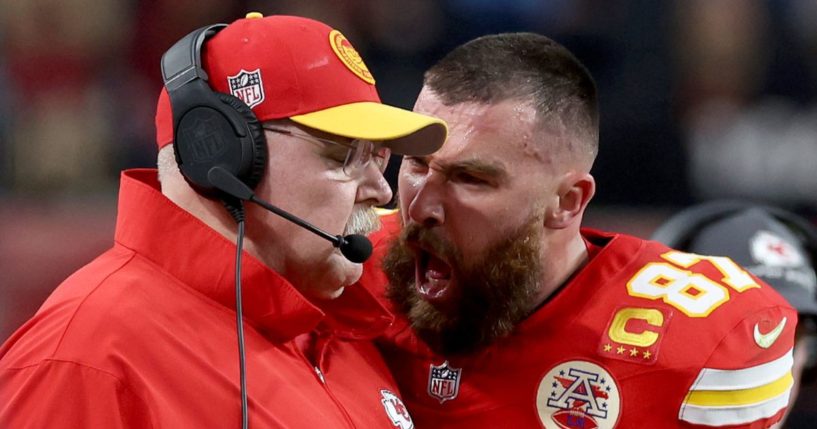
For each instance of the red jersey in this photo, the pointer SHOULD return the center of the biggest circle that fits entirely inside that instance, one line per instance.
(641, 337)
(144, 337)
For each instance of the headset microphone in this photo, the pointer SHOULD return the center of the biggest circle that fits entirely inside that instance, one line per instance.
(354, 247)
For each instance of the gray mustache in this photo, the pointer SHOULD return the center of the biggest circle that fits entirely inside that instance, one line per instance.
(362, 221)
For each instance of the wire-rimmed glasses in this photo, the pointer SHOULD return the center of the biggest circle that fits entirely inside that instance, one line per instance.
(359, 151)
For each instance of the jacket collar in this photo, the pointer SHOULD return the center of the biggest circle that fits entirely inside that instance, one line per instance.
(199, 257)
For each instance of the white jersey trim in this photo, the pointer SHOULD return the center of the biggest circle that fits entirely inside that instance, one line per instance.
(722, 416)
(747, 378)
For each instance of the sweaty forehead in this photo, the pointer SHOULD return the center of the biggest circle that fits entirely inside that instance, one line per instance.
(507, 128)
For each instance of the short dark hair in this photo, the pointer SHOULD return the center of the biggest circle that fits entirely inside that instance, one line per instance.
(525, 66)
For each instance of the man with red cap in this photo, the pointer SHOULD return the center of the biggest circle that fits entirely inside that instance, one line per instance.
(280, 108)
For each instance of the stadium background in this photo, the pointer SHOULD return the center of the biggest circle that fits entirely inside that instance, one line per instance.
(700, 99)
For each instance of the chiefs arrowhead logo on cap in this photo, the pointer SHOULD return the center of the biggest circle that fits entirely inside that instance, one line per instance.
(770, 249)
(349, 56)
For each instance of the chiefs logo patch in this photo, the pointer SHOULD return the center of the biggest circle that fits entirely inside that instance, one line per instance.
(349, 56)
(578, 394)
(396, 410)
(770, 249)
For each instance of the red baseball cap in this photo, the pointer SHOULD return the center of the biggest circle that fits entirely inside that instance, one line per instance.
(302, 69)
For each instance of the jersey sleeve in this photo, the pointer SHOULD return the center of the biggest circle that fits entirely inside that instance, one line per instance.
(747, 379)
(59, 394)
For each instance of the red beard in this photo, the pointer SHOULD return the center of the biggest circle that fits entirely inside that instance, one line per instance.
(492, 293)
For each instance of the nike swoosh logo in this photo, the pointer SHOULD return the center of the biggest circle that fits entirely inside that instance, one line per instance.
(766, 340)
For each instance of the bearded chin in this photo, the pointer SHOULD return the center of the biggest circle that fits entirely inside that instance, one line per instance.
(494, 292)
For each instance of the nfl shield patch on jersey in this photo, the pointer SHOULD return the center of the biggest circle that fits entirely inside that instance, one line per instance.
(578, 394)
(443, 381)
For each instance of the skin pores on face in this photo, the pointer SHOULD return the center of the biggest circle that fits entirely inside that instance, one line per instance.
(494, 177)
(488, 177)
(302, 181)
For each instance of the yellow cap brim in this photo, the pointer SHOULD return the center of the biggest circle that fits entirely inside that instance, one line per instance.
(402, 131)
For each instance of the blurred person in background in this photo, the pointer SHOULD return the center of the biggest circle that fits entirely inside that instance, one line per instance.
(745, 99)
(513, 315)
(145, 335)
(776, 245)
(59, 64)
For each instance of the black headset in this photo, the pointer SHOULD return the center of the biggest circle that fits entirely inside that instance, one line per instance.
(210, 129)
(679, 230)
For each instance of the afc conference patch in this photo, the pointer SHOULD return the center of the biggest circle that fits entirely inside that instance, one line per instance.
(247, 86)
(443, 381)
(578, 395)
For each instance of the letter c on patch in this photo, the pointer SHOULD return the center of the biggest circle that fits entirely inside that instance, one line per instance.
(618, 328)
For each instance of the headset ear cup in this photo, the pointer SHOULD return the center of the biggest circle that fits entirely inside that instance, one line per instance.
(254, 172)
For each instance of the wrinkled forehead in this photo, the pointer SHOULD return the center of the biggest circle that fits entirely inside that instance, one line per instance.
(508, 130)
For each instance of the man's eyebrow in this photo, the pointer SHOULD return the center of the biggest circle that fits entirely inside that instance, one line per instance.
(474, 166)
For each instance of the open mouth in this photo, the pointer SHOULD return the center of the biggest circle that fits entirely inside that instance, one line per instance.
(433, 276)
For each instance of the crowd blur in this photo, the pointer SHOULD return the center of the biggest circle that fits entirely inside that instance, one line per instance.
(700, 99)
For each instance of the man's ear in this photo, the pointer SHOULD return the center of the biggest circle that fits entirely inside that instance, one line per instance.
(573, 194)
